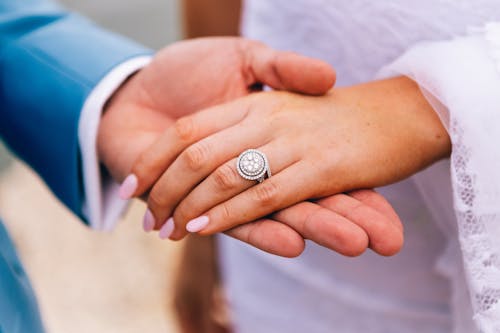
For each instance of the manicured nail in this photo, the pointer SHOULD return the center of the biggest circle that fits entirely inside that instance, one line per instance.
(149, 221)
(128, 187)
(197, 224)
(167, 229)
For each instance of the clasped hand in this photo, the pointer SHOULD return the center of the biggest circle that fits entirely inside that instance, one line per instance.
(319, 148)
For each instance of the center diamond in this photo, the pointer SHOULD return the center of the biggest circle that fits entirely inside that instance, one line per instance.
(252, 164)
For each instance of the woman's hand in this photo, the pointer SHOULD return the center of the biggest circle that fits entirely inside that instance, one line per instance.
(358, 137)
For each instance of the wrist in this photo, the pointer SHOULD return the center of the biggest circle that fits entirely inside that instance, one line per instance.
(427, 128)
(408, 131)
(122, 93)
(113, 123)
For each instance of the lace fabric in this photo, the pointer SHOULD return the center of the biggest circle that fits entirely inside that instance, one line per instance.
(476, 162)
(473, 110)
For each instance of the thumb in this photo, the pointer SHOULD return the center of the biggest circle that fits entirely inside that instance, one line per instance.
(286, 70)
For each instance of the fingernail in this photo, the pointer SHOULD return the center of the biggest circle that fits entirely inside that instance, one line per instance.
(167, 229)
(197, 224)
(128, 187)
(149, 221)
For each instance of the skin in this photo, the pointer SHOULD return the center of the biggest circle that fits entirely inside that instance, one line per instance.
(211, 18)
(188, 76)
(193, 75)
(363, 136)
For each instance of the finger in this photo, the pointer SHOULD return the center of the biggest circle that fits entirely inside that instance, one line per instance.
(286, 70)
(281, 190)
(386, 238)
(156, 159)
(325, 227)
(195, 163)
(223, 184)
(379, 203)
(270, 236)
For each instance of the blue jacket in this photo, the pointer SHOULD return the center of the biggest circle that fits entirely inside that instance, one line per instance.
(50, 60)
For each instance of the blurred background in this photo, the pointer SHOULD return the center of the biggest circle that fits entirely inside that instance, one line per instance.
(88, 281)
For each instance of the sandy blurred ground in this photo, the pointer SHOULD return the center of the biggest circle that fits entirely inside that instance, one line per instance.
(86, 281)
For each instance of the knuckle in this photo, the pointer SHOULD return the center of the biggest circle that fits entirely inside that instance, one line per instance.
(267, 105)
(226, 177)
(156, 199)
(138, 169)
(146, 176)
(360, 212)
(276, 116)
(143, 164)
(196, 156)
(267, 193)
(309, 224)
(182, 215)
(225, 212)
(185, 128)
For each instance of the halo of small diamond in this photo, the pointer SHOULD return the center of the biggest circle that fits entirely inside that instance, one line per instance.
(252, 164)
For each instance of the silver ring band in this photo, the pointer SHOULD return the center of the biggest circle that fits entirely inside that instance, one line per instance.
(253, 165)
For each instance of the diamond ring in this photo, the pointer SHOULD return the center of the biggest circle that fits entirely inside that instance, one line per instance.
(253, 165)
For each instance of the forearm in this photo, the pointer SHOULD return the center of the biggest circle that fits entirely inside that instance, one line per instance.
(401, 101)
(409, 126)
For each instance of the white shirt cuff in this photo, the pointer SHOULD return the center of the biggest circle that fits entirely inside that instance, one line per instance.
(102, 206)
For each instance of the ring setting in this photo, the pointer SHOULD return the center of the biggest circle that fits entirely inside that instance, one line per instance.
(253, 165)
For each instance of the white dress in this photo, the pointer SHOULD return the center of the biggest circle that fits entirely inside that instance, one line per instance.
(424, 288)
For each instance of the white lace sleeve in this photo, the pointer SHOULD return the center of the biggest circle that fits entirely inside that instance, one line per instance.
(461, 79)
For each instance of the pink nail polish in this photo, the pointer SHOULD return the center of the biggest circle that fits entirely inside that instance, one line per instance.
(128, 187)
(149, 221)
(167, 229)
(197, 224)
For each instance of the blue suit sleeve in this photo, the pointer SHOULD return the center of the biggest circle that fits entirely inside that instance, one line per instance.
(50, 60)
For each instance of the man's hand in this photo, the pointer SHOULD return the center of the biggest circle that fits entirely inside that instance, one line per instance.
(192, 75)
(347, 223)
